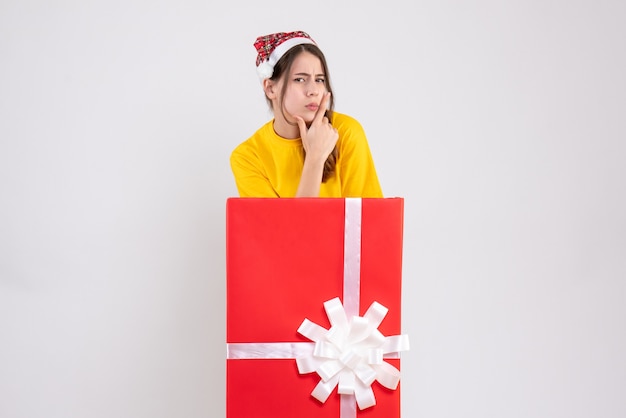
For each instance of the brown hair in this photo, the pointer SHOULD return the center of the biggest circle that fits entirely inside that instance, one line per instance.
(282, 67)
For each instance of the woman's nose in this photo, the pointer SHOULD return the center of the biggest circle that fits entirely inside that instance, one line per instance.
(312, 89)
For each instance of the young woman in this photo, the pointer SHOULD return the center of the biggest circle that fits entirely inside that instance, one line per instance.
(307, 150)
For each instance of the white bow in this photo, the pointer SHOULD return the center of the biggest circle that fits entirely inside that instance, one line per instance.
(350, 354)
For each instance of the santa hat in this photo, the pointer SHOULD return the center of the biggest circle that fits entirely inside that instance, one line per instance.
(272, 47)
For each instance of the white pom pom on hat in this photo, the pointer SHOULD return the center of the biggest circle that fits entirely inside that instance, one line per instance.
(270, 48)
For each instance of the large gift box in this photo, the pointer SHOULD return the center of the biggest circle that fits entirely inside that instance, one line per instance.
(313, 307)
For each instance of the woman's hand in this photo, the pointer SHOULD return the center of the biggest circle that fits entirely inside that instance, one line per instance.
(318, 141)
(320, 137)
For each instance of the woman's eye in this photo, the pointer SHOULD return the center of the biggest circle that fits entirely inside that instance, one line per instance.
(298, 80)
(321, 80)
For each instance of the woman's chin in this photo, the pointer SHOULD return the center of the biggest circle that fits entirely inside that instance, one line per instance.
(307, 120)
(305, 116)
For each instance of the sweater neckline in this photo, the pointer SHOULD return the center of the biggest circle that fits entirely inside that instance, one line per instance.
(295, 142)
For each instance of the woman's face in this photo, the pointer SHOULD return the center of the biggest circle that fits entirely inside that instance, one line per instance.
(305, 86)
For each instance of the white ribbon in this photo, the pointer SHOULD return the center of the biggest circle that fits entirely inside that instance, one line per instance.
(349, 355)
(352, 256)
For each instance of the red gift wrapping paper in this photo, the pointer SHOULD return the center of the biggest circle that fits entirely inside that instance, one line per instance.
(284, 259)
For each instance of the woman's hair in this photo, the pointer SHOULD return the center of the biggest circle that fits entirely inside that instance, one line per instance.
(282, 67)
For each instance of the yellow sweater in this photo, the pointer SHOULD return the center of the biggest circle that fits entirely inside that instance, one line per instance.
(267, 165)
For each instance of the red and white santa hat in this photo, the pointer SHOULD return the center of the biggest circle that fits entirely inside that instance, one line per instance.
(271, 48)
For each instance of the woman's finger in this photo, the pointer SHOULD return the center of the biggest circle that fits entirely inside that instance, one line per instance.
(321, 111)
(301, 126)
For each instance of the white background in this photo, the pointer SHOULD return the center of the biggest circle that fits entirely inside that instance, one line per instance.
(502, 124)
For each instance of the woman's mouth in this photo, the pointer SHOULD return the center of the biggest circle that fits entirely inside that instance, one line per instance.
(312, 106)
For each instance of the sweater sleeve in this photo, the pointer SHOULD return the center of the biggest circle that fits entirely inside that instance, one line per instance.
(358, 173)
(250, 178)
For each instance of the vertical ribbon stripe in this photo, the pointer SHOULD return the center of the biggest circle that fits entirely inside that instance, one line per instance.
(351, 280)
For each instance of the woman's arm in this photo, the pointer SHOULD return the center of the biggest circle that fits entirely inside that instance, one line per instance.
(250, 181)
(358, 172)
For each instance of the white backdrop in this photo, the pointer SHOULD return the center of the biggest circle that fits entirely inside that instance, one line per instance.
(502, 124)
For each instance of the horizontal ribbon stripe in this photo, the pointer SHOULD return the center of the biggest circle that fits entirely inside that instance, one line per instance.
(244, 351)
(239, 351)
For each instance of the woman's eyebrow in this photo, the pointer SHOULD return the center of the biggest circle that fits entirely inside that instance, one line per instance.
(307, 74)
